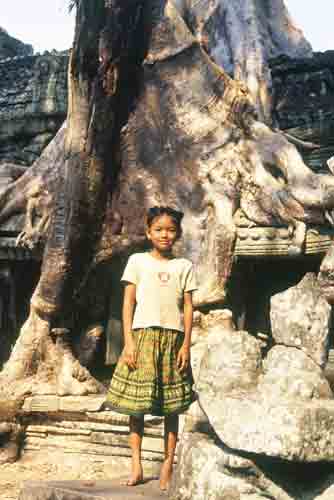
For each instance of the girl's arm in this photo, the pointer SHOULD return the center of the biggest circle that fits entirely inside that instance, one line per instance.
(129, 303)
(183, 358)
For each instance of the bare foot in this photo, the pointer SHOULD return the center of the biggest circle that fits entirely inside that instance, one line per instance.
(135, 478)
(133, 481)
(165, 475)
(89, 483)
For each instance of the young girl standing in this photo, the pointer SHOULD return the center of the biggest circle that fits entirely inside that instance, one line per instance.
(153, 375)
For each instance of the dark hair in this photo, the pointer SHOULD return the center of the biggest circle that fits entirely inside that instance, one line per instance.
(157, 211)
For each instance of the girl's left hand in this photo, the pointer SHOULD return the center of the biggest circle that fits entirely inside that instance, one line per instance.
(183, 358)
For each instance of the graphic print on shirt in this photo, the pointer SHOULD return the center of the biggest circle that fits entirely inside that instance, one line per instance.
(164, 278)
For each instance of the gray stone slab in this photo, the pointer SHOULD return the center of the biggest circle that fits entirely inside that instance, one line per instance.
(65, 403)
(300, 431)
(301, 317)
(89, 490)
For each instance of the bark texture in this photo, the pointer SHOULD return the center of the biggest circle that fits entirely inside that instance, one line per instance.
(103, 44)
(242, 36)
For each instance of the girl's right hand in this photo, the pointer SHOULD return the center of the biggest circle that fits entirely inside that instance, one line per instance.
(129, 355)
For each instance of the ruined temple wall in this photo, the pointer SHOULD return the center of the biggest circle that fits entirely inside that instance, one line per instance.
(33, 104)
(11, 47)
(89, 438)
(303, 99)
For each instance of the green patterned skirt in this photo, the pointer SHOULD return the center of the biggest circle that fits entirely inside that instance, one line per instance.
(156, 386)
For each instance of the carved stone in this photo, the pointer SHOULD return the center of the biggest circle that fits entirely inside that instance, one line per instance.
(33, 104)
(303, 103)
(277, 241)
(11, 47)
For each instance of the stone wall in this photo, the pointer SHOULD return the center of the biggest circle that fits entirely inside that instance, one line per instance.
(73, 430)
(11, 47)
(33, 104)
(303, 98)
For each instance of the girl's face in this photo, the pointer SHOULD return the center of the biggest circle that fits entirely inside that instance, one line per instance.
(163, 233)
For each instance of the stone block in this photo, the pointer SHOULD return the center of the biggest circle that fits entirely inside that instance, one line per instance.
(300, 431)
(87, 490)
(232, 361)
(291, 373)
(300, 317)
(209, 470)
(51, 403)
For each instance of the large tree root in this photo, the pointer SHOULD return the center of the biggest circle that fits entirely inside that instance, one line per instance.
(45, 174)
(10, 442)
(42, 362)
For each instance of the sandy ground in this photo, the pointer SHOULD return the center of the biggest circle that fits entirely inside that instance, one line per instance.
(13, 475)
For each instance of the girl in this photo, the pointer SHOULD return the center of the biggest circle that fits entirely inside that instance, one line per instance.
(153, 375)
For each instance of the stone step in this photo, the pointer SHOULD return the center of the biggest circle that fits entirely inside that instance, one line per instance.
(72, 428)
(62, 403)
(89, 490)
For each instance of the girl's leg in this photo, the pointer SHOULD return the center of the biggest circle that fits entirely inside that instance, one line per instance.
(171, 432)
(136, 437)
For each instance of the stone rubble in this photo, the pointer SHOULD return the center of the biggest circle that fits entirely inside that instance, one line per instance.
(264, 414)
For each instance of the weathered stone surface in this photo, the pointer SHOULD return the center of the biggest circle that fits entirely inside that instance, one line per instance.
(11, 47)
(197, 353)
(303, 91)
(275, 241)
(275, 413)
(79, 439)
(326, 274)
(232, 360)
(92, 440)
(71, 430)
(300, 317)
(33, 104)
(290, 373)
(68, 403)
(11, 435)
(292, 429)
(208, 469)
(88, 490)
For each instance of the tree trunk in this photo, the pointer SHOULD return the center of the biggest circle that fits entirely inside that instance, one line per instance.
(241, 36)
(101, 53)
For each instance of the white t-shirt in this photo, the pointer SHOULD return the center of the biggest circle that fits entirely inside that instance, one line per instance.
(160, 285)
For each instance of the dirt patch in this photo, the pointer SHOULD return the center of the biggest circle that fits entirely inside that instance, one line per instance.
(13, 475)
